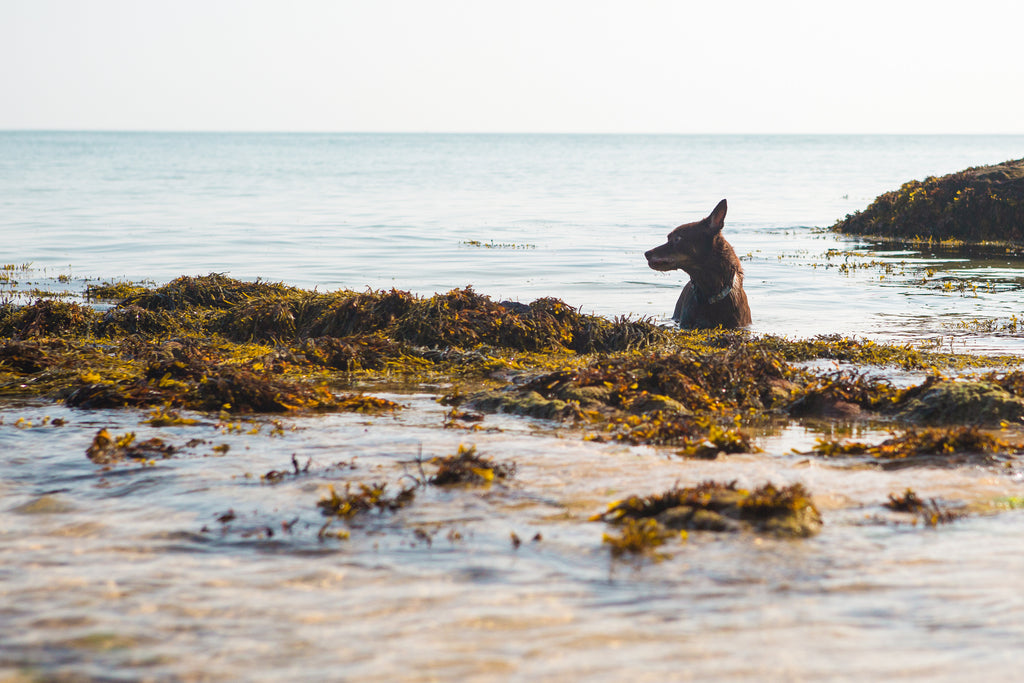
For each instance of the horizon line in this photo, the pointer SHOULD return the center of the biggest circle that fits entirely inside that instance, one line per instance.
(271, 131)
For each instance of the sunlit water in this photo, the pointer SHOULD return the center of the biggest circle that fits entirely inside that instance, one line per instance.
(137, 571)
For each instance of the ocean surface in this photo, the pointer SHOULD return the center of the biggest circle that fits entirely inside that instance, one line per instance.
(129, 574)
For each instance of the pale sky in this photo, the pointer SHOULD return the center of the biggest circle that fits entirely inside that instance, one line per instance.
(644, 66)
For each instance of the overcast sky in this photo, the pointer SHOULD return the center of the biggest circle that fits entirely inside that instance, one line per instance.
(658, 66)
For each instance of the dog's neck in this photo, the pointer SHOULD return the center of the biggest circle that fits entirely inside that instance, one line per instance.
(714, 284)
(725, 291)
(713, 296)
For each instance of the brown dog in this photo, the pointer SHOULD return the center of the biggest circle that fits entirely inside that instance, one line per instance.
(714, 295)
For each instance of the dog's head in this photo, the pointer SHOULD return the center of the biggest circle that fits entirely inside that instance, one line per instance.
(689, 246)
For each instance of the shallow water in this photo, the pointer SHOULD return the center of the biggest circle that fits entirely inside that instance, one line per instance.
(136, 571)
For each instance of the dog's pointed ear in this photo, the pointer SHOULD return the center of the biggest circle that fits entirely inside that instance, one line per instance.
(717, 218)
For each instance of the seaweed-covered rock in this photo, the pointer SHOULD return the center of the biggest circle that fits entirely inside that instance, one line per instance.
(528, 403)
(980, 204)
(967, 402)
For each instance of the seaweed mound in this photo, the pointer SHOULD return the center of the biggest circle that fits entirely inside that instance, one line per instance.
(275, 313)
(714, 506)
(976, 205)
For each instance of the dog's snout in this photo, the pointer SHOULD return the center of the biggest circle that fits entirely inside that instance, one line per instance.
(647, 254)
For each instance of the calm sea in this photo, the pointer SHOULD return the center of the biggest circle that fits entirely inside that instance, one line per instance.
(196, 569)
(516, 216)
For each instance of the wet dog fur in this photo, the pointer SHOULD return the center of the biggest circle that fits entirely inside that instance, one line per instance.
(714, 296)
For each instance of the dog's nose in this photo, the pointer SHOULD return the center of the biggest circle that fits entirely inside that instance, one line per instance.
(647, 254)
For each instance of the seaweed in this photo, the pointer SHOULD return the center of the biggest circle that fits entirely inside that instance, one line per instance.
(983, 204)
(367, 498)
(714, 506)
(190, 374)
(106, 449)
(162, 417)
(843, 394)
(25, 356)
(47, 318)
(212, 343)
(215, 290)
(353, 353)
(275, 476)
(639, 537)
(926, 442)
(931, 512)
(113, 291)
(722, 381)
(468, 467)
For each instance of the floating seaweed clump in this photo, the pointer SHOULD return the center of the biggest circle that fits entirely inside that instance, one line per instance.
(213, 343)
(366, 498)
(713, 506)
(106, 449)
(114, 291)
(468, 467)
(696, 438)
(867, 352)
(930, 511)
(928, 442)
(162, 417)
(639, 537)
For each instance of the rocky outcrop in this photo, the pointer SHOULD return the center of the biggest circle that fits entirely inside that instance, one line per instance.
(977, 205)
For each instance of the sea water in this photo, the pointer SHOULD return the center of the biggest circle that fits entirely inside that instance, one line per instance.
(131, 573)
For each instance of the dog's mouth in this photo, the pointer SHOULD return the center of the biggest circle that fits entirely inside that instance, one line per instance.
(660, 263)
